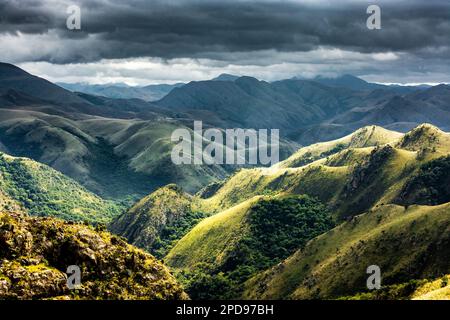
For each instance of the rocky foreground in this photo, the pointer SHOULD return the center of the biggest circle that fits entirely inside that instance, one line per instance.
(36, 252)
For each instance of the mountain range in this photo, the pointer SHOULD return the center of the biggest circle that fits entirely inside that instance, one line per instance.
(364, 180)
(386, 193)
(92, 138)
(122, 91)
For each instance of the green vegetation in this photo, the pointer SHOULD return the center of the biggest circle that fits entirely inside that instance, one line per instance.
(170, 234)
(405, 244)
(430, 185)
(43, 191)
(271, 230)
(423, 289)
(277, 227)
(157, 221)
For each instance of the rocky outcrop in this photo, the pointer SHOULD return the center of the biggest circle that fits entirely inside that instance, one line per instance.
(36, 252)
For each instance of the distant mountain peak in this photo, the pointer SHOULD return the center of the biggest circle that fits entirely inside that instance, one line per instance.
(225, 77)
(347, 81)
(8, 70)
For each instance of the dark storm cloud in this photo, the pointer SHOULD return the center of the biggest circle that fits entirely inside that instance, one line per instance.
(217, 29)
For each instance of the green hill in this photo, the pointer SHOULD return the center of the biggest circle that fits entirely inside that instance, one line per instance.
(43, 191)
(237, 243)
(365, 137)
(36, 252)
(374, 186)
(369, 167)
(406, 244)
(158, 220)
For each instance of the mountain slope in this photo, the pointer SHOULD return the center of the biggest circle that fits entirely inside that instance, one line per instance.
(405, 244)
(250, 103)
(158, 220)
(12, 77)
(348, 81)
(373, 186)
(41, 190)
(36, 252)
(225, 77)
(400, 112)
(245, 239)
(117, 91)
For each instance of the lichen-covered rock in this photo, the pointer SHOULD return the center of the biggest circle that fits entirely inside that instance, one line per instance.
(36, 252)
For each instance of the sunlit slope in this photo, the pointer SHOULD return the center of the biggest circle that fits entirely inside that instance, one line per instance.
(350, 180)
(427, 140)
(405, 243)
(209, 240)
(43, 191)
(365, 137)
(237, 243)
(157, 221)
(433, 290)
(423, 289)
(377, 193)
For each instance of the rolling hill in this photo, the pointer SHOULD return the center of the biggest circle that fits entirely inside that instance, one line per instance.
(387, 192)
(157, 221)
(116, 148)
(42, 191)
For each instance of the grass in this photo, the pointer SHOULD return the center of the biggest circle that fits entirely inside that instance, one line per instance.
(360, 184)
(396, 240)
(364, 137)
(43, 191)
(208, 240)
(237, 243)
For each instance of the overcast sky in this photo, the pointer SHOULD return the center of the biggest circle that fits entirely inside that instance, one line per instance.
(167, 41)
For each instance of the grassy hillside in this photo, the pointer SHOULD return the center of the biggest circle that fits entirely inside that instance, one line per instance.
(239, 242)
(365, 137)
(374, 187)
(157, 221)
(43, 191)
(35, 254)
(424, 289)
(405, 243)
(369, 167)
